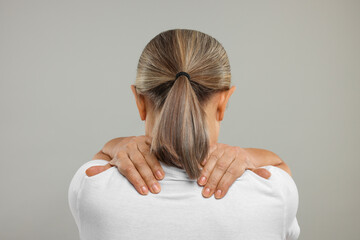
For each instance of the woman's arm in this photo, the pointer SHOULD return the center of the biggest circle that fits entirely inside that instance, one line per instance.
(262, 157)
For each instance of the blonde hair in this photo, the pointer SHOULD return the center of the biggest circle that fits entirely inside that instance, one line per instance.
(180, 135)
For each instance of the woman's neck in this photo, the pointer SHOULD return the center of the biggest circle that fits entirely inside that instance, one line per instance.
(213, 129)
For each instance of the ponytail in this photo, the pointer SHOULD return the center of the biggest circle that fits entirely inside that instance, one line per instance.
(180, 134)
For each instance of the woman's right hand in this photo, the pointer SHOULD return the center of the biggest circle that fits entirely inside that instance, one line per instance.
(131, 155)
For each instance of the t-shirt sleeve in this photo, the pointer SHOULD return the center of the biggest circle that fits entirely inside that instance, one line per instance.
(289, 193)
(76, 186)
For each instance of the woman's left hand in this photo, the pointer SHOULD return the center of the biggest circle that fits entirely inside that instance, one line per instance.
(223, 165)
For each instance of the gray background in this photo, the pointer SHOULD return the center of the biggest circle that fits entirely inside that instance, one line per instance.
(66, 69)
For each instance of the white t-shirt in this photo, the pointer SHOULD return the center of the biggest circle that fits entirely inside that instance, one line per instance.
(107, 207)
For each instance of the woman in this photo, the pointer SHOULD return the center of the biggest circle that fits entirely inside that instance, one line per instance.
(181, 90)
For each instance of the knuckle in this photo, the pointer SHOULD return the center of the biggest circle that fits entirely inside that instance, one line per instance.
(127, 169)
(224, 185)
(212, 183)
(141, 164)
(134, 178)
(205, 171)
(136, 157)
(232, 171)
(131, 145)
(143, 148)
(121, 154)
(222, 166)
(217, 155)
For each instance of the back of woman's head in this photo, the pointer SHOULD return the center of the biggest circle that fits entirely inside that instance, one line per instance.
(180, 136)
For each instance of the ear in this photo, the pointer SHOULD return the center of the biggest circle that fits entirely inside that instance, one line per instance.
(140, 103)
(223, 100)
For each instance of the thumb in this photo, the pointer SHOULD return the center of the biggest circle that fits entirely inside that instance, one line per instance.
(91, 171)
(262, 172)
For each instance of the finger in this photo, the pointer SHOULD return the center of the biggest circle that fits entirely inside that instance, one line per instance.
(152, 161)
(218, 172)
(209, 166)
(143, 168)
(234, 171)
(91, 171)
(211, 150)
(262, 172)
(128, 170)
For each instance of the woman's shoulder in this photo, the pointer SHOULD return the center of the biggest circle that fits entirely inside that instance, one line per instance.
(281, 183)
(80, 175)
(279, 178)
(286, 187)
(284, 182)
(80, 178)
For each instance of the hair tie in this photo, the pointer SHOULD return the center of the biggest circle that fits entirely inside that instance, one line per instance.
(182, 73)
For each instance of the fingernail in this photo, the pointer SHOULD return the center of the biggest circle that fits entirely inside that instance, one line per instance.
(207, 192)
(158, 174)
(218, 193)
(155, 188)
(202, 180)
(144, 190)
